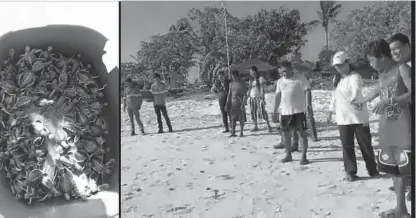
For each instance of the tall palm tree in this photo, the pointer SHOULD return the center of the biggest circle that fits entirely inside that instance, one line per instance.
(328, 12)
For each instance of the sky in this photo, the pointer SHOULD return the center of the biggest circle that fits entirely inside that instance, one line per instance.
(100, 16)
(140, 20)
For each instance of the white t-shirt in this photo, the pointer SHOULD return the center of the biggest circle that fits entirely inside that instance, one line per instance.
(349, 88)
(293, 94)
(254, 91)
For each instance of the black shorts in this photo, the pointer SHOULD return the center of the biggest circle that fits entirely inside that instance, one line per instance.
(293, 121)
(395, 161)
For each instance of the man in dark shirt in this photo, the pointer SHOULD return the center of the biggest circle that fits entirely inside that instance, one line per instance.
(133, 102)
(221, 87)
(159, 91)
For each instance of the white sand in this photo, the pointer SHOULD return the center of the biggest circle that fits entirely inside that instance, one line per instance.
(175, 174)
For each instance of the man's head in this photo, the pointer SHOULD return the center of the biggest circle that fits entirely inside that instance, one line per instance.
(221, 76)
(235, 74)
(378, 54)
(129, 82)
(254, 72)
(286, 69)
(400, 47)
(157, 77)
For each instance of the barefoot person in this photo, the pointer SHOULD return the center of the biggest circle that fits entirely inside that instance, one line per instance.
(159, 92)
(400, 51)
(291, 94)
(351, 118)
(133, 101)
(256, 99)
(221, 87)
(395, 130)
(235, 102)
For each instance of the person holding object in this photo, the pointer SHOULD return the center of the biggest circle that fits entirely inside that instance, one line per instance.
(395, 91)
(133, 102)
(221, 88)
(159, 91)
(400, 51)
(235, 102)
(352, 118)
(257, 99)
(291, 94)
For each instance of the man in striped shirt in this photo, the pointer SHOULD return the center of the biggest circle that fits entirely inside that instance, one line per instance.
(159, 91)
(133, 102)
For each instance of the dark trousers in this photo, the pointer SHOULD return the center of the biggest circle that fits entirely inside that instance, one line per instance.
(311, 119)
(134, 113)
(224, 113)
(363, 135)
(161, 109)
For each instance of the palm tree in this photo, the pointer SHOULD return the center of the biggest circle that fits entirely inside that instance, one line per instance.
(328, 12)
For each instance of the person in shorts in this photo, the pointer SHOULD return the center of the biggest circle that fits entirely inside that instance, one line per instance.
(291, 95)
(395, 132)
(401, 53)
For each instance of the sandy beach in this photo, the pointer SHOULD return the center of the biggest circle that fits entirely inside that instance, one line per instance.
(197, 171)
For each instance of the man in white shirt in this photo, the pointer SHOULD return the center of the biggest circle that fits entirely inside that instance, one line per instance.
(291, 94)
(400, 51)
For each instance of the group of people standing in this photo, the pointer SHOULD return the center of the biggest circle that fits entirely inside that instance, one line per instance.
(391, 59)
(133, 99)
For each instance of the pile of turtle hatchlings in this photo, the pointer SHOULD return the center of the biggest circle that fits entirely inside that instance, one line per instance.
(52, 131)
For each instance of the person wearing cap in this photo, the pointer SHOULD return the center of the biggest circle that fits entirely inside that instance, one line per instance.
(400, 51)
(133, 101)
(352, 118)
(395, 129)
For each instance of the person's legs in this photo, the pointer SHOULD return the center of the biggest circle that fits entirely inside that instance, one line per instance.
(159, 117)
(363, 135)
(295, 141)
(166, 116)
(303, 136)
(131, 114)
(287, 135)
(254, 112)
(224, 114)
(139, 122)
(313, 125)
(391, 161)
(241, 123)
(346, 133)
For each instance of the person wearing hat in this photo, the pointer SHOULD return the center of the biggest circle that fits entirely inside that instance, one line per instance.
(352, 118)
(133, 101)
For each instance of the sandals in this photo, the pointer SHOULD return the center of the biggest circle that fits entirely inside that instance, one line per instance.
(391, 214)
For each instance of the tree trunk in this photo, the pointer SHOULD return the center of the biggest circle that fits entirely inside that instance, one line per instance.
(326, 37)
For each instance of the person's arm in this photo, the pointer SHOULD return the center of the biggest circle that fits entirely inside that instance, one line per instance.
(374, 93)
(405, 73)
(356, 84)
(228, 102)
(262, 84)
(277, 98)
(214, 89)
